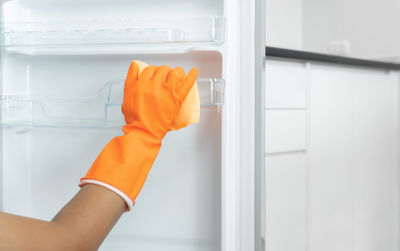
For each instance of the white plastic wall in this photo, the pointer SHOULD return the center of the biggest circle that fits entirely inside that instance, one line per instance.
(180, 206)
(284, 23)
(42, 10)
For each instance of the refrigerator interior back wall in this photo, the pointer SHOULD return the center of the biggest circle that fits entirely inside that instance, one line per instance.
(72, 49)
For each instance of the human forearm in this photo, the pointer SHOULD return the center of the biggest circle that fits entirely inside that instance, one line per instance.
(19, 233)
(81, 225)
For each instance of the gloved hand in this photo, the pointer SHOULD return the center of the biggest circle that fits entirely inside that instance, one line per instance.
(151, 102)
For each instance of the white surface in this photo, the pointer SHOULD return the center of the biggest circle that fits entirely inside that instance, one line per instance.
(207, 30)
(368, 25)
(285, 130)
(286, 202)
(43, 10)
(352, 163)
(99, 109)
(376, 174)
(331, 157)
(285, 23)
(285, 84)
(180, 206)
(246, 239)
(354, 183)
(312, 25)
(207, 208)
(173, 26)
(237, 123)
(181, 201)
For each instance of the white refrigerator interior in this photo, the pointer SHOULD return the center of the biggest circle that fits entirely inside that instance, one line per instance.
(62, 68)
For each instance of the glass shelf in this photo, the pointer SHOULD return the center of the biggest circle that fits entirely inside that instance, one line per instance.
(101, 110)
(112, 32)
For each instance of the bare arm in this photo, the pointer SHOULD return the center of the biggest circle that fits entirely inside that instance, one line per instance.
(81, 225)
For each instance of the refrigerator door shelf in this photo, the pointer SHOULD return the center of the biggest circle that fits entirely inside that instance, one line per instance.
(208, 30)
(102, 110)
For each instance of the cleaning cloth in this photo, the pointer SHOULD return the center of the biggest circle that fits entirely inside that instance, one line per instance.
(189, 112)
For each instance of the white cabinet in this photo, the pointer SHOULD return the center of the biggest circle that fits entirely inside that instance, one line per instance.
(286, 84)
(353, 158)
(346, 179)
(285, 106)
(285, 131)
(286, 195)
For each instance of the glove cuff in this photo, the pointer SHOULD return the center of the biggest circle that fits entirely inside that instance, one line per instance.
(124, 164)
(128, 201)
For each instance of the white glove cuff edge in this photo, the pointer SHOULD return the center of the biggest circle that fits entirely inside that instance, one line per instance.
(125, 197)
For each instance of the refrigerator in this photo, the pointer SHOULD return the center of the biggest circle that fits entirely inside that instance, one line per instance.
(63, 65)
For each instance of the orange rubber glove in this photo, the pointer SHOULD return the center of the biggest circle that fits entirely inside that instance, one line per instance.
(151, 102)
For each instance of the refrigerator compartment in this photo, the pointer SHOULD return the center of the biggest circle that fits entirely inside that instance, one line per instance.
(179, 207)
(207, 30)
(101, 110)
(181, 204)
(48, 10)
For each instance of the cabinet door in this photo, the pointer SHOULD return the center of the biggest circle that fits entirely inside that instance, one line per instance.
(338, 191)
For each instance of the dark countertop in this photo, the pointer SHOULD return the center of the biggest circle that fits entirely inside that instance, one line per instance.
(325, 58)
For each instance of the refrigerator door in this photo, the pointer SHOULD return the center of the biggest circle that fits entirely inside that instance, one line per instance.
(58, 60)
(259, 144)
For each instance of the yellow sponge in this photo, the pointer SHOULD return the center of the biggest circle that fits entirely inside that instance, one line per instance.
(190, 109)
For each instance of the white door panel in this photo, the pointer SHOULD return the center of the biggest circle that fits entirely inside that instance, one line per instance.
(285, 130)
(285, 84)
(351, 161)
(286, 202)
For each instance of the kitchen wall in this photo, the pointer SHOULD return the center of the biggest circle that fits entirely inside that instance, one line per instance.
(356, 28)
(285, 23)
(370, 26)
